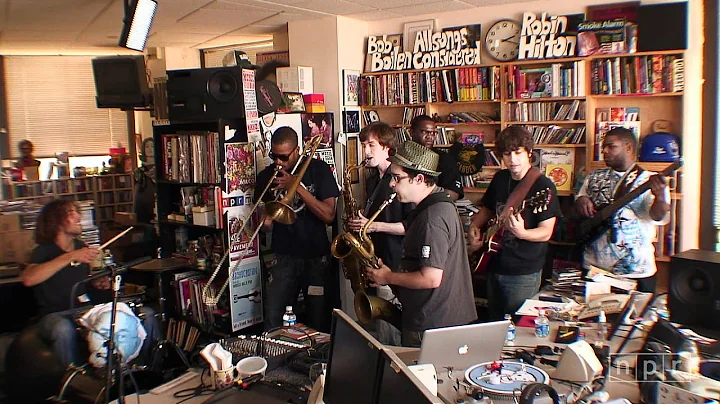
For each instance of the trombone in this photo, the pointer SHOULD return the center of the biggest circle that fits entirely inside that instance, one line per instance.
(278, 210)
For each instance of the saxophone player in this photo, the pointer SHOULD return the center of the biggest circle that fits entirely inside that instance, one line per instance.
(433, 283)
(302, 249)
(379, 142)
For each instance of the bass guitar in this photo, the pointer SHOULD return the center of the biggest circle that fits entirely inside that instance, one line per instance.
(494, 229)
(592, 228)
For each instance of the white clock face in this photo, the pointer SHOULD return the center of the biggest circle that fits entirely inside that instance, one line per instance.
(502, 40)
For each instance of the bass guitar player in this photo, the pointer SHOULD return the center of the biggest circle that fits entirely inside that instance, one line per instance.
(625, 245)
(514, 273)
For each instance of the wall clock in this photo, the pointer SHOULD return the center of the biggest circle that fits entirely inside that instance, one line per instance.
(502, 40)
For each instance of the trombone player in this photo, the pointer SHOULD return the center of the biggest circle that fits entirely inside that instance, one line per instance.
(302, 249)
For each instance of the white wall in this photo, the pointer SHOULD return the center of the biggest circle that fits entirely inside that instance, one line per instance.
(182, 58)
(692, 107)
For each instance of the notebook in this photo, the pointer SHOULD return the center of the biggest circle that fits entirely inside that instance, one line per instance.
(463, 346)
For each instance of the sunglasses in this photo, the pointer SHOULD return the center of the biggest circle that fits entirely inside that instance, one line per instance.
(281, 157)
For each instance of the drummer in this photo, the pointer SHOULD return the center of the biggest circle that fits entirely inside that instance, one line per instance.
(59, 261)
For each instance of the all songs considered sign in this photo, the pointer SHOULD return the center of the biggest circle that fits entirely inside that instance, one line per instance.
(448, 48)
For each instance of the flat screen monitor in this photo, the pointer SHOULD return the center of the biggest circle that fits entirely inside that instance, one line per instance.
(356, 360)
(120, 82)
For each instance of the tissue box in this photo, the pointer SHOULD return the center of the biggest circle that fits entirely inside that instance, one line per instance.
(204, 219)
(295, 79)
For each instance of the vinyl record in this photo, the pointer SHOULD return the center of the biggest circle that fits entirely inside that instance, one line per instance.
(469, 157)
(268, 96)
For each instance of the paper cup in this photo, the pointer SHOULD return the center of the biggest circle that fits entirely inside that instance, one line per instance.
(224, 378)
(251, 365)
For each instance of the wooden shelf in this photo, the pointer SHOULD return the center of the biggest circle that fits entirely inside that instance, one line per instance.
(562, 145)
(427, 70)
(545, 61)
(657, 167)
(474, 190)
(469, 123)
(543, 122)
(638, 95)
(189, 184)
(392, 106)
(662, 259)
(650, 53)
(544, 99)
(176, 223)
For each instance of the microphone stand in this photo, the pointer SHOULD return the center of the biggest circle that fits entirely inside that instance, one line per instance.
(113, 359)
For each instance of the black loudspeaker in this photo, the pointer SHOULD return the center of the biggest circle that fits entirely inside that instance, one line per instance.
(694, 297)
(536, 158)
(662, 27)
(205, 94)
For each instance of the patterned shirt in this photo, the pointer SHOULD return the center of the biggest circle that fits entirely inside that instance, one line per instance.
(632, 254)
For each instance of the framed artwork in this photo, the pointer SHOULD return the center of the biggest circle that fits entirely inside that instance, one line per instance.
(351, 85)
(319, 123)
(353, 156)
(292, 102)
(412, 28)
(351, 121)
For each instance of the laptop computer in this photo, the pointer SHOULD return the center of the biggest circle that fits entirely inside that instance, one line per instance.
(463, 346)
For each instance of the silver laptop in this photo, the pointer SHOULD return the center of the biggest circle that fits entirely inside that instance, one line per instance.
(463, 346)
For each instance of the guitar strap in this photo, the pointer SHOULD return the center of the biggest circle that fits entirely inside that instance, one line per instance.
(520, 192)
(626, 182)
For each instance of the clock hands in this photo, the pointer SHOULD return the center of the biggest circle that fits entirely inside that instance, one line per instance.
(508, 39)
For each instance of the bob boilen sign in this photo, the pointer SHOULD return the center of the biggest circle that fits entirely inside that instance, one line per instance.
(542, 38)
(450, 48)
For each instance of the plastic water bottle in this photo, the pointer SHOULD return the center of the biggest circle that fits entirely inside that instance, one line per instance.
(289, 318)
(602, 326)
(511, 329)
(542, 325)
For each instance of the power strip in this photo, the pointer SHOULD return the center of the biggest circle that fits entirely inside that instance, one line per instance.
(184, 378)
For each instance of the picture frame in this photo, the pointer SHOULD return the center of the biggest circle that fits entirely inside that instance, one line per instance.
(411, 28)
(351, 121)
(292, 102)
(351, 87)
(352, 156)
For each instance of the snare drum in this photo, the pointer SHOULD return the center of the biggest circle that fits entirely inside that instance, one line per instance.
(82, 385)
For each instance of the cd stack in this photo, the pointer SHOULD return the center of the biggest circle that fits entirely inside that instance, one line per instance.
(90, 232)
(568, 281)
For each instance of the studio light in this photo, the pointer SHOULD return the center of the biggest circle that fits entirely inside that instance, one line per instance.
(139, 16)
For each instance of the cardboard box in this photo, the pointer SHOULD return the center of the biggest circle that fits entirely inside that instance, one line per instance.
(295, 79)
(9, 223)
(204, 219)
(315, 108)
(17, 246)
(317, 98)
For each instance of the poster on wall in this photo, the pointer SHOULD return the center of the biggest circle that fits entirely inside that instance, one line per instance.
(252, 121)
(270, 123)
(246, 295)
(238, 198)
(318, 124)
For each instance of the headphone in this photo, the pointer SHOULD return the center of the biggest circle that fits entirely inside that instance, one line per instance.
(532, 390)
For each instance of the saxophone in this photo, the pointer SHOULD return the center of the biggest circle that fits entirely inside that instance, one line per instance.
(357, 251)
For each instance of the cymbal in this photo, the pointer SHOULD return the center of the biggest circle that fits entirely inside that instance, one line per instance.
(161, 264)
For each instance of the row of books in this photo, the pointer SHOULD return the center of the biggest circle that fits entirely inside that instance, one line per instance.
(552, 134)
(411, 112)
(547, 111)
(556, 80)
(449, 85)
(638, 74)
(188, 290)
(193, 157)
(472, 117)
(607, 119)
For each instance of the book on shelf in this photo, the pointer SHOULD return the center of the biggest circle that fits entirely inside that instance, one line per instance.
(645, 74)
(561, 175)
(602, 37)
(474, 137)
(411, 112)
(556, 80)
(553, 134)
(191, 157)
(547, 111)
(562, 159)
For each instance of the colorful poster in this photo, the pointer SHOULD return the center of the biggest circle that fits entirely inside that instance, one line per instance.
(250, 101)
(246, 295)
(237, 200)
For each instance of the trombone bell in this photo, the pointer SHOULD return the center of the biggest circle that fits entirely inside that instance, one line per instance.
(280, 212)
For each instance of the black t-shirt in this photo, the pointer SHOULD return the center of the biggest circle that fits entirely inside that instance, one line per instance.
(388, 247)
(449, 175)
(519, 257)
(53, 295)
(307, 237)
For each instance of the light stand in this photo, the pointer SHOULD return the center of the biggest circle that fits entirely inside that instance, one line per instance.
(113, 359)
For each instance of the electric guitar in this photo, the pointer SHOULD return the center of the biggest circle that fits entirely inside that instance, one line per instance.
(592, 228)
(494, 229)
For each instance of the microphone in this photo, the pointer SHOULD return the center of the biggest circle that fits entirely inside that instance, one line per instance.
(106, 271)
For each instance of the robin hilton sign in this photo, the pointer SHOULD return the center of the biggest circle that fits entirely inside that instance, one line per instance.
(541, 38)
(431, 49)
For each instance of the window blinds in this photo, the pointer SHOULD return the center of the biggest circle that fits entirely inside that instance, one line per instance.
(51, 102)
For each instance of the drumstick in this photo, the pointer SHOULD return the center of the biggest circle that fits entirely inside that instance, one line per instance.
(112, 240)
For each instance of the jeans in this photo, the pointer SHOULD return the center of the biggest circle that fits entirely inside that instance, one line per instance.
(60, 331)
(286, 278)
(506, 293)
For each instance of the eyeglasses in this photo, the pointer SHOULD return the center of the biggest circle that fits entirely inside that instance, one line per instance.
(281, 157)
(429, 132)
(398, 177)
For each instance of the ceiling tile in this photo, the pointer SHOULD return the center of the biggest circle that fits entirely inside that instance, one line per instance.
(375, 15)
(36, 35)
(430, 8)
(234, 39)
(391, 3)
(328, 7)
(222, 18)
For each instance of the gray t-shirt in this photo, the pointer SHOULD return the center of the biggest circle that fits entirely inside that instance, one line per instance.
(435, 238)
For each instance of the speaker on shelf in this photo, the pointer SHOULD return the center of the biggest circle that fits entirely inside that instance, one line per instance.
(694, 296)
(536, 158)
(205, 94)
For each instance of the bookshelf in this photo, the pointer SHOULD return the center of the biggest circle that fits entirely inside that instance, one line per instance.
(561, 114)
(111, 192)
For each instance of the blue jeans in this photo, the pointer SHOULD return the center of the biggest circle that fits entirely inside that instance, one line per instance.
(60, 331)
(506, 293)
(286, 278)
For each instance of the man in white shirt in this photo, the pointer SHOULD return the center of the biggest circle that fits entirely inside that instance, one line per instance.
(626, 247)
